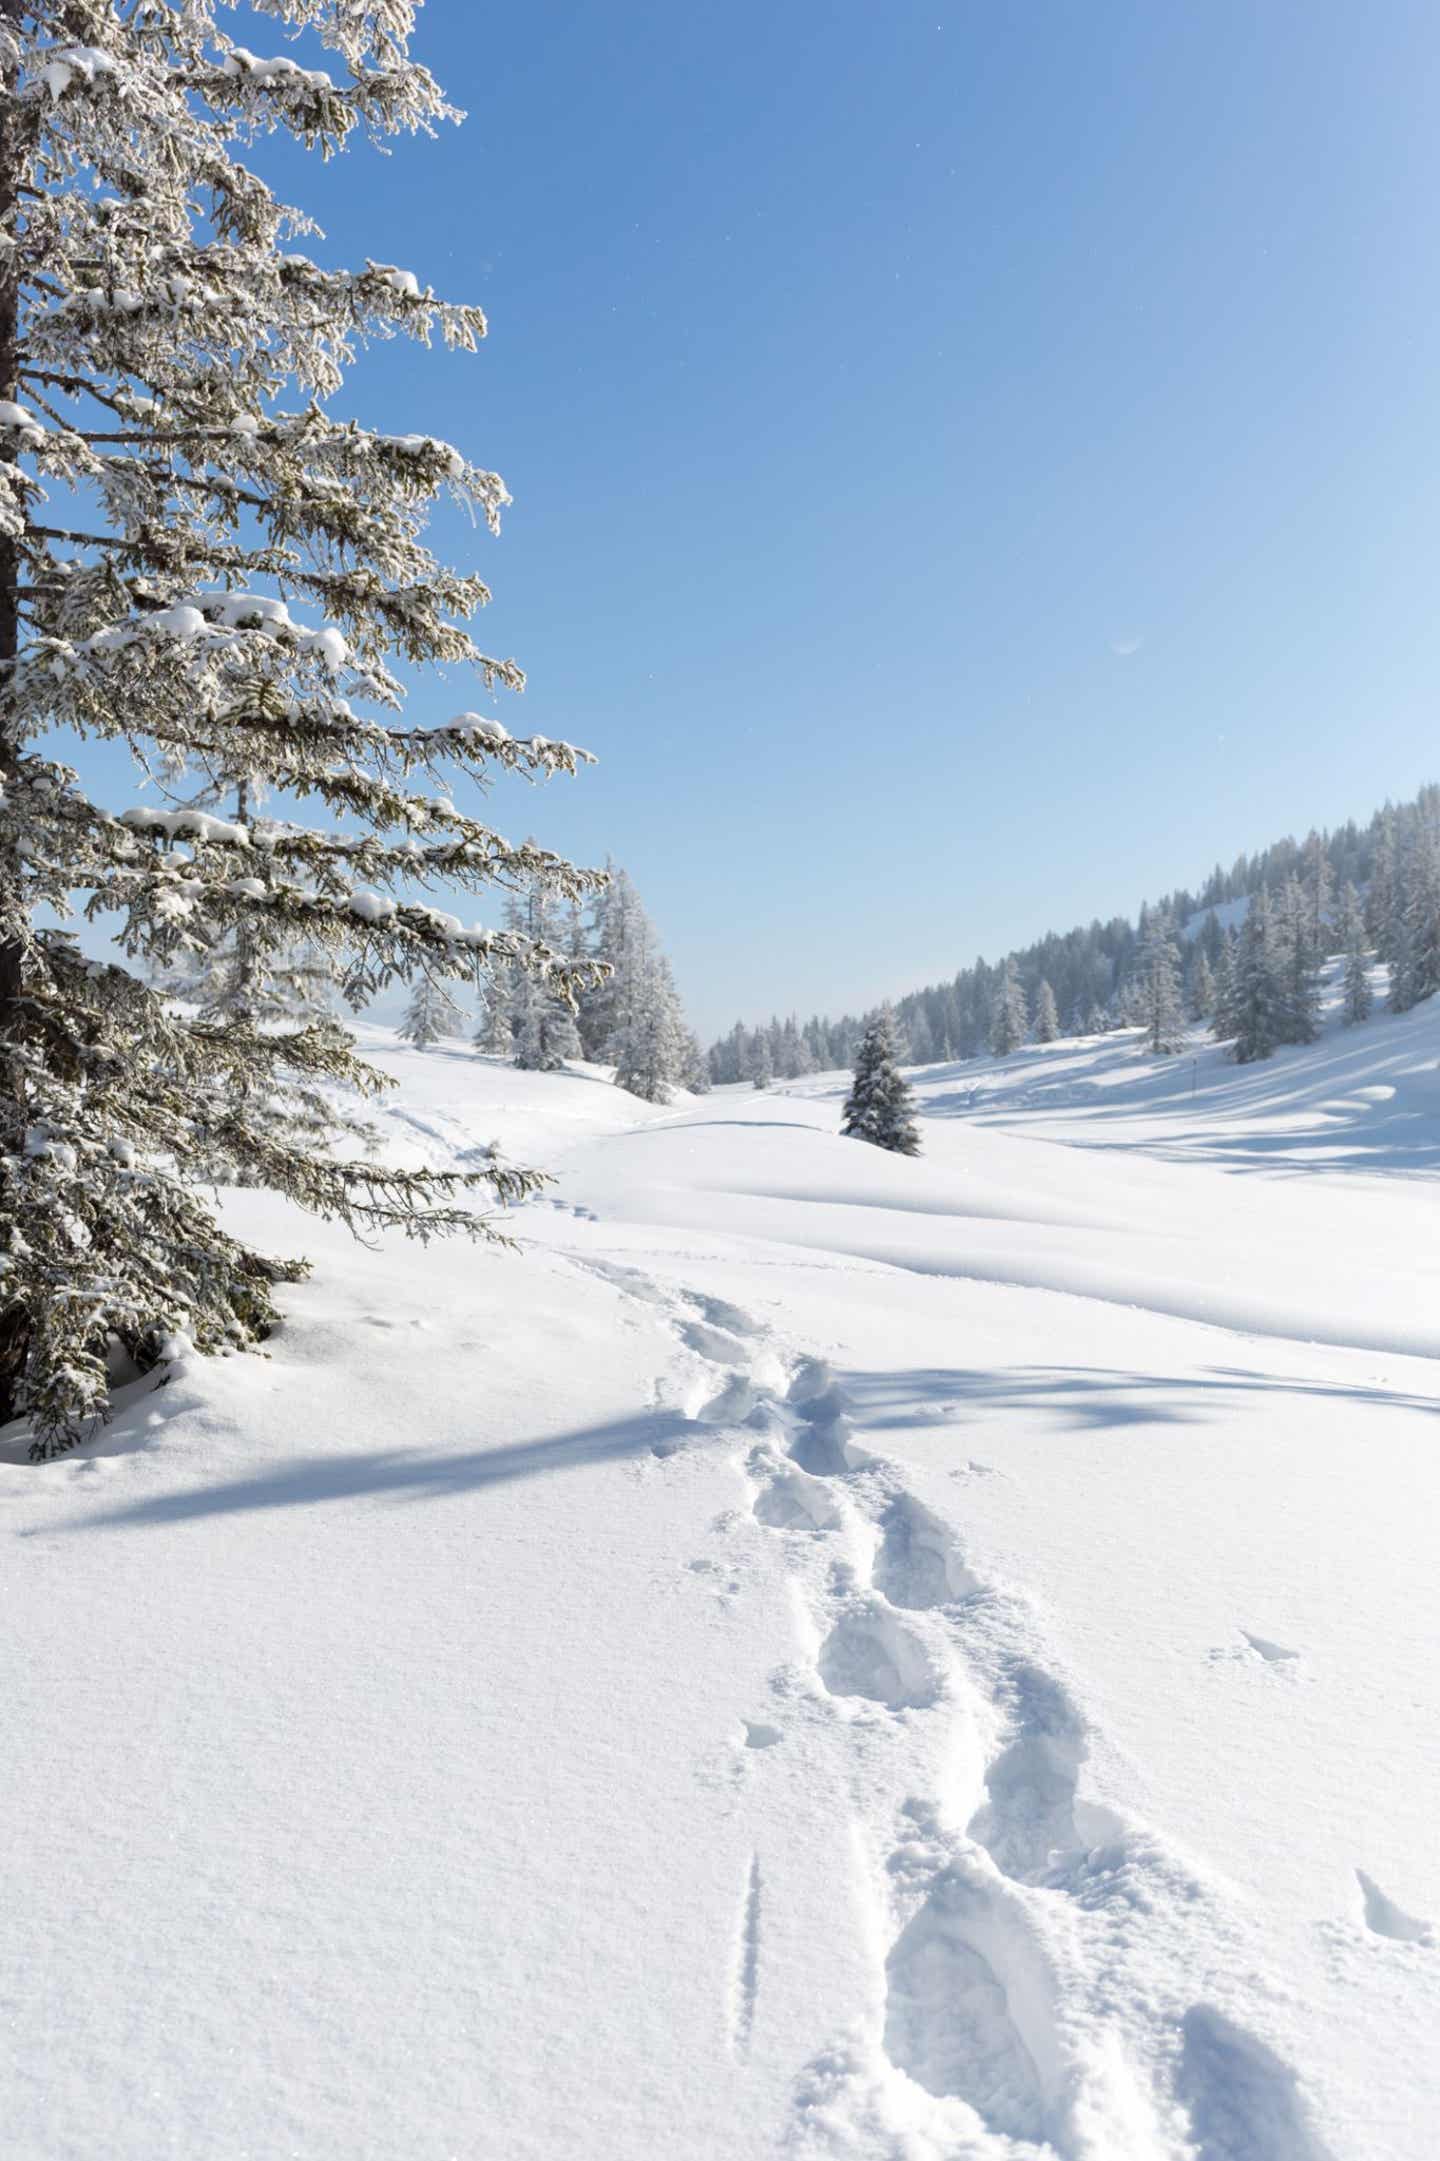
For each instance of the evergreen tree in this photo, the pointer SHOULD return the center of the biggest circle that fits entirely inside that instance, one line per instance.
(212, 577)
(1225, 1020)
(431, 1014)
(649, 1047)
(1381, 909)
(1414, 944)
(219, 978)
(1159, 979)
(635, 1022)
(1202, 987)
(759, 1070)
(1298, 965)
(1047, 1019)
(694, 1073)
(1257, 992)
(920, 1040)
(880, 1106)
(1359, 998)
(1011, 1022)
(542, 1019)
(494, 1032)
(1318, 886)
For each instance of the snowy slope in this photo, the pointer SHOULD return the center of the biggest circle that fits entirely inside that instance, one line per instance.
(820, 1654)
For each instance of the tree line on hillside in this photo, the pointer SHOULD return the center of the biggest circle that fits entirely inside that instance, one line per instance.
(1175, 965)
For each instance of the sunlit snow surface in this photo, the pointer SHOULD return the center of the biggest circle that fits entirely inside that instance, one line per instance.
(820, 1653)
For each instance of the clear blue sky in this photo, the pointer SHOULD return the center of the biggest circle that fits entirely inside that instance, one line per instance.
(973, 465)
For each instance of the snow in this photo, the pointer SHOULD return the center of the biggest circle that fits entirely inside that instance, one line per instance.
(421, 446)
(242, 64)
(222, 616)
(179, 621)
(185, 825)
(371, 907)
(21, 421)
(481, 724)
(70, 63)
(820, 1653)
(1229, 914)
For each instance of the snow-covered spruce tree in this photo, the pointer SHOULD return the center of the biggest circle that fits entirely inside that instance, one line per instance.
(200, 562)
(1162, 1012)
(1359, 999)
(1224, 1020)
(220, 979)
(1414, 943)
(633, 1021)
(1011, 1022)
(541, 1016)
(619, 932)
(1202, 987)
(431, 1015)
(1047, 1018)
(880, 1107)
(1298, 962)
(759, 1070)
(1380, 897)
(238, 973)
(1258, 995)
(1318, 883)
(493, 1034)
(694, 1068)
(649, 1047)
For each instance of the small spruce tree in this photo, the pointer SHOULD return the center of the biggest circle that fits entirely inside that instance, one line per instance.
(1224, 1020)
(1415, 941)
(541, 1014)
(1010, 1023)
(1258, 998)
(1202, 987)
(1298, 963)
(1047, 1018)
(1161, 1010)
(431, 1015)
(1359, 999)
(880, 1107)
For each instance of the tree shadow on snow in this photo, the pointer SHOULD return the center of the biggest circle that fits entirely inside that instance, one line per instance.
(1092, 1397)
(1353, 1102)
(1085, 1396)
(408, 1474)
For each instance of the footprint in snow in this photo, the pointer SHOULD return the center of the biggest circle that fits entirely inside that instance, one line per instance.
(1274, 1654)
(760, 1735)
(869, 1653)
(1384, 1918)
(1265, 1648)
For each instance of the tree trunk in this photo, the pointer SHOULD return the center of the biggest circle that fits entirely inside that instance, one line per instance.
(14, 1323)
(11, 946)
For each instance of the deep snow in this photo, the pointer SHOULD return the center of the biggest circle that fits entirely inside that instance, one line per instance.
(820, 1653)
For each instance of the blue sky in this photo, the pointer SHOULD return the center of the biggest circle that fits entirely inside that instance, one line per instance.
(973, 465)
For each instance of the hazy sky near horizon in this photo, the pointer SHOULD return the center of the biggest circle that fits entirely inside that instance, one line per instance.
(973, 465)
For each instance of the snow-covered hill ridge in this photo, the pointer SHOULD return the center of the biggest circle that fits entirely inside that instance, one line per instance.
(821, 1653)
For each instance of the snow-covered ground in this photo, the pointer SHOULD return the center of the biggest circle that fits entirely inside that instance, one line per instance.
(819, 1654)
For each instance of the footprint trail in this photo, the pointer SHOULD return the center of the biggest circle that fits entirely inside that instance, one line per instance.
(1016, 1919)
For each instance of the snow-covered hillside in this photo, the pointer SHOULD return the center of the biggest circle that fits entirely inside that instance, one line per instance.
(820, 1653)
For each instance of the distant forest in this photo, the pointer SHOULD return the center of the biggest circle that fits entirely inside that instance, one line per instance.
(1091, 974)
